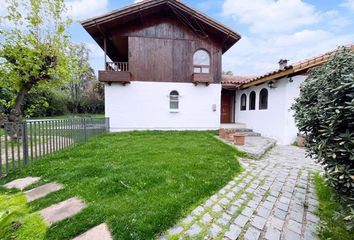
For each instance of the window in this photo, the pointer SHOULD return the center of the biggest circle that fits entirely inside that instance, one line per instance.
(174, 100)
(243, 102)
(252, 100)
(263, 99)
(201, 62)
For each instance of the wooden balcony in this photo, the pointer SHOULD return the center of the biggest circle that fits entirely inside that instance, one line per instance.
(202, 75)
(116, 72)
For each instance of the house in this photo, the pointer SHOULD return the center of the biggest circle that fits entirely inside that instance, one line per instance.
(263, 103)
(163, 72)
(162, 66)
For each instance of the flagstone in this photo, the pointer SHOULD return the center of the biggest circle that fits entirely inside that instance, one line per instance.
(22, 183)
(42, 191)
(100, 232)
(62, 210)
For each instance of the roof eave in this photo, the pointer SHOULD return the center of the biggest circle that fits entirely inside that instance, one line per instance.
(281, 74)
(91, 23)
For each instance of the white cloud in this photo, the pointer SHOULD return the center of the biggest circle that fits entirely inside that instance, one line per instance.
(83, 9)
(302, 37)
(95, 50)
(349, 4)
(271, 15)
(255, 56)
(275, 29)
(77, 9)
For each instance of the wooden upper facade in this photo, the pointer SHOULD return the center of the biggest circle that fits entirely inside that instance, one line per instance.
(156, 41)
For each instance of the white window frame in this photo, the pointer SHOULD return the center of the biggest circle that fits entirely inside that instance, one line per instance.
(260, 105)
(201, 67)
(174, 97)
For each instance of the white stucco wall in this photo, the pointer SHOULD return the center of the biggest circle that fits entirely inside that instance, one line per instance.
(277, 121)
(145, 106)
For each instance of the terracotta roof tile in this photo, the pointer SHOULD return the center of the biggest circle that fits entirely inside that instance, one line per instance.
(229, 79)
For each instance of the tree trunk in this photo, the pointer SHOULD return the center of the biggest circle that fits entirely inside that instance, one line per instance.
(15, 115)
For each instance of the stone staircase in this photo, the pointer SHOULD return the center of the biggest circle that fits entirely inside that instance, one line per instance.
(255, 145)
(240, 128)
(246, 131)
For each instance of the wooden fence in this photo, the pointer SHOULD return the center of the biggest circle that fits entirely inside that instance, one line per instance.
(20, 144)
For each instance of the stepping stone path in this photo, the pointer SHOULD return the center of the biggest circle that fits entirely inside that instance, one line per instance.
(100, 232)
(22, 183)
(59, 211)
(42, 191)
(274, 198)
(62, 210)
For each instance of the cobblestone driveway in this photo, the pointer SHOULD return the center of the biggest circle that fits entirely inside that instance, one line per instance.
(274, 198)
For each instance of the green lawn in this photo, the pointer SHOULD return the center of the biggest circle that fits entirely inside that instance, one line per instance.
(332, 224)
(140, 183)
(16, 220)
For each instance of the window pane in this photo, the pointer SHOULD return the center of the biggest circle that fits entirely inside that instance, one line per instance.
(243, 102)
(174, 93)
(173, 105)
(201, 57)
(252, 101)
(205, 70)
(196, 70)
(263, 99)
(174, 99)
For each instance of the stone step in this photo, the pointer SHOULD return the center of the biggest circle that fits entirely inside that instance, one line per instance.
(244, 131)
(256, 147)
(250, 134)
(233, 125)
(22, 183)
(42, 191)
(62, 210)
(100, 232)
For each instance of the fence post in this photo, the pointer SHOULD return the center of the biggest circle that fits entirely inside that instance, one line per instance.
(85, 129)
(107, 124)
(25, 142)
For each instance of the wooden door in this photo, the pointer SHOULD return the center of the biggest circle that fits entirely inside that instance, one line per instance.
(227, 107)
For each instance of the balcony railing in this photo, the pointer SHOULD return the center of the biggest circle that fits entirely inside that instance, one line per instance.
(117, 66)
(201, 69)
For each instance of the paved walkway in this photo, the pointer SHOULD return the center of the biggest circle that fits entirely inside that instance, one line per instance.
(272, 199)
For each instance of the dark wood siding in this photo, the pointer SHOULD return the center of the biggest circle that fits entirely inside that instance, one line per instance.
(161, 49)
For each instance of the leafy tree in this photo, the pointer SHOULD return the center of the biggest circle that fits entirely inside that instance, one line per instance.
(81, 75)
(33, 49)
(46, 102)
(324, 114)
(93, 100)
(230, 73)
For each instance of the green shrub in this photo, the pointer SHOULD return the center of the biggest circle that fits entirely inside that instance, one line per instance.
(324, 114)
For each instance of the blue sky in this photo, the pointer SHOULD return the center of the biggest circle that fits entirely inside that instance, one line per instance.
(270, 29)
